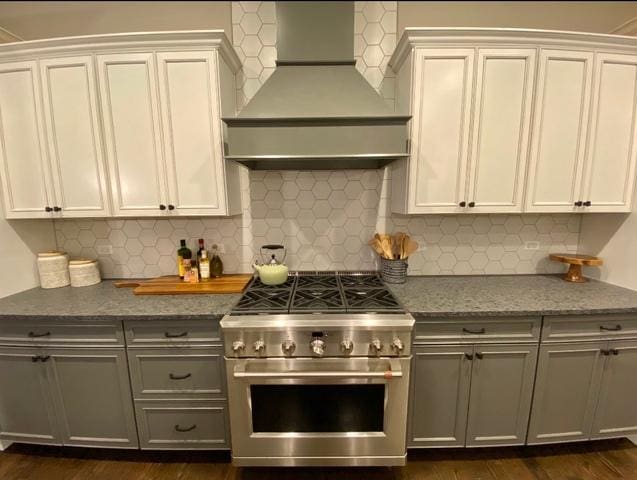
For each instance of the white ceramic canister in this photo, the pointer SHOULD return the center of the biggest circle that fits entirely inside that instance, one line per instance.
(53, 268)
(84, 272)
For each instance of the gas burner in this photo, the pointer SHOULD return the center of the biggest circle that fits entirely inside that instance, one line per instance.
(361, 281)
(259, 285)
(314, 282)
(370, 300)
(264, 301)
(318, 301)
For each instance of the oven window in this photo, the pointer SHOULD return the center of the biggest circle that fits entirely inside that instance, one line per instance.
(317, 408)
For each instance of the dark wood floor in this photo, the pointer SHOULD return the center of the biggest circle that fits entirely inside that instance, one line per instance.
(587, 461)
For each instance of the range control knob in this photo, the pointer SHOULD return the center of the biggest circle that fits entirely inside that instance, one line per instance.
(318, 347)
(238, 346)
(376, 346)
(288, 347)
(397, 346)
(259, 346)
(347, 346)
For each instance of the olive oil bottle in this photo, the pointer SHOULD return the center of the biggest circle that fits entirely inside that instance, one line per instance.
(216, 265)
(183, 253)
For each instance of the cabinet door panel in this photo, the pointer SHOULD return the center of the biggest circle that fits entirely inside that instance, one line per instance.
(93, 397)
(566, 389)
(501, 392)
(441, 381)
(26, 409)
(132, 133)
(610, 166)
(24, 167)
(559, 131)
(440, 129)
(192, 136)
(501, 129)
(73, 133)
(616, 415)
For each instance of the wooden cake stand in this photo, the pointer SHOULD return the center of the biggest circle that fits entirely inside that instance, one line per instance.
(574, 273)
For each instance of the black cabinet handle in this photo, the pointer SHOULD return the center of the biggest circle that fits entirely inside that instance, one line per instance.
(179, 377)
(35, 358)
(616, 328)
(479, 356)
(162, 207)
(579, 203)
(171, 207)
(482, 331)
(38, 335)
(587, 203)
(463, 204)
(48, 209)
(605, 352)
(614, 351)
(468, 356)
(175, 335)
(45, 358)
(178, 428)
(57, 209)
(472, 204)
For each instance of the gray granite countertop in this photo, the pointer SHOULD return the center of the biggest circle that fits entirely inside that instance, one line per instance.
(429, 296)
(105, 299)
(511, 295)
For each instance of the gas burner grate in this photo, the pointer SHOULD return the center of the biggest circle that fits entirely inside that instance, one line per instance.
(315, 282)
(318, 300)
(361, 281)
(370, 300)
(264, 301)
(259, 285)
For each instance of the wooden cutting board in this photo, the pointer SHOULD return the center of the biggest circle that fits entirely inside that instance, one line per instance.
(173, 285)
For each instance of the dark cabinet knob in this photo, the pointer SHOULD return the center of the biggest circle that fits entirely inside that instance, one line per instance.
(48, 209)
(579, 203)
(614, 351)
(171, 207)
(463, 204)
(57, 209)
(587, 203)
(605, 352)
(162, 207)
(479, 356)
(472, 204)
(468, 356)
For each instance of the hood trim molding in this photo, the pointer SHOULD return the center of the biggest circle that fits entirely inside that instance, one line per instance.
(310, 121)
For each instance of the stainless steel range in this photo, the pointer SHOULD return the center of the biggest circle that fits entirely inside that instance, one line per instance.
(318, 372)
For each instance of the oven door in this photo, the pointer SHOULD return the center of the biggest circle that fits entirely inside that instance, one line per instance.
(327, 411)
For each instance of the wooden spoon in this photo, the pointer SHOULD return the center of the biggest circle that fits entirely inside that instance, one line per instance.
(410, 247)
(376, 246)
(399, 238)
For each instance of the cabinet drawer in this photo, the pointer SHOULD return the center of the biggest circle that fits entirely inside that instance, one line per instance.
(182, 425)
(32, 332)
(589, 327)
(172, 332)
(482, 330)
(177, 372)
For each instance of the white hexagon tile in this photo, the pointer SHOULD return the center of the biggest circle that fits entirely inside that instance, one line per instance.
(325, 220)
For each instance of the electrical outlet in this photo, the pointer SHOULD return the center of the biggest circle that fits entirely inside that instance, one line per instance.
(532, 245)
(104, 249)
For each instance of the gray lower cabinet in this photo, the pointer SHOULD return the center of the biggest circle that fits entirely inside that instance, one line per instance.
(474, 395)
(566, 391)
(501, 392)
(27, 413)
(92, 394)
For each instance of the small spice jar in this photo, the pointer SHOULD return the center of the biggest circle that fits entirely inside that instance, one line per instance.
(84, 272)
(53, 269)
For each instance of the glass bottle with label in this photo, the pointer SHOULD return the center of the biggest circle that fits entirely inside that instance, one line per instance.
(183, 253)
(204, 266)
(216, 265)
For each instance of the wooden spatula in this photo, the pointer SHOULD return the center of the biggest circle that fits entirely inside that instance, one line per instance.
(375, 244)
(410, 247)
(399, 238)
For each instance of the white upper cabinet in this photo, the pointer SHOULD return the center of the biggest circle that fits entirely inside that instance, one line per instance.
(24, 167)
(559, 131)
(73, 133)
(193, 144)
(443, 81)
(500, 134)
(133, 133)
(611, 153)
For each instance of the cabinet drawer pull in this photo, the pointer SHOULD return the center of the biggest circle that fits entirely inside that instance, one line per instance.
(179, 377)
(38, 335)
(616, 328)
(175, 335)
(482, 331)
(178, 428)
(468, 356)
(479, 356)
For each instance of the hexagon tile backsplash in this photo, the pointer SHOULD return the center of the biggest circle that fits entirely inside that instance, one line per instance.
(325, 218)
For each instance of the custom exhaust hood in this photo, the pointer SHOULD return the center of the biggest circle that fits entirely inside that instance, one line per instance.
(316, 111)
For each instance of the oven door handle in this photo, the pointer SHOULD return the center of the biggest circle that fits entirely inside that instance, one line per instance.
(393, 372)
